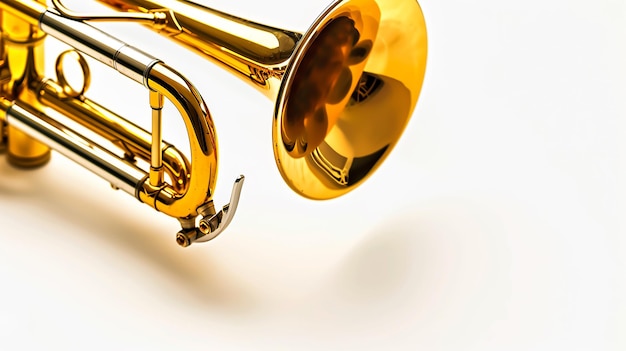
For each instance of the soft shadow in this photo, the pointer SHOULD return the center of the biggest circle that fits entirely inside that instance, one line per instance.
(441, 262)
(125, 229)
(386, 262)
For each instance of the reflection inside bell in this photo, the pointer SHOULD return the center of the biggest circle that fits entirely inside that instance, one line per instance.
(363, 135)
(323, 83)
(368, 85)
(339, 171)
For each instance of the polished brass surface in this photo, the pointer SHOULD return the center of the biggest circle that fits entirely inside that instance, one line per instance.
(344, 90)
(36, 109)
(23, 61)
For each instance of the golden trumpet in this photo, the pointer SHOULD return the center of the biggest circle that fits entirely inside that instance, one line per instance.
(344, 92)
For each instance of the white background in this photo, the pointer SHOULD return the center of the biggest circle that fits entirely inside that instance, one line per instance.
(496, 224)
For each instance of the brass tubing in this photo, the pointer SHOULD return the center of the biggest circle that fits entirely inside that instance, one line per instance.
(158, 77)
(127, 60)
(27, 10)
(131, 139)
(202, 140)
(43, 111)
(254, 51)
(124, 175)
(344, 93)
(344, 90)
(156, 160)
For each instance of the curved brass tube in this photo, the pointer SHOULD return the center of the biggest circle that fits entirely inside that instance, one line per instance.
(255, 52)
(189, 191)
(132, 140)
(203, 145)
(344, 90)
(192, 182)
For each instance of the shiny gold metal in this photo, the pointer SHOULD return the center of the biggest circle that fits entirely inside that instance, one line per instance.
(159, 18)
(68, 90)
(23, 62)
(35, 109)
(156, 160)
(344, 90)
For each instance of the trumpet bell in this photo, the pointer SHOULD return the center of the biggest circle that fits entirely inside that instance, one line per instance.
(346, 88)
(348, 93)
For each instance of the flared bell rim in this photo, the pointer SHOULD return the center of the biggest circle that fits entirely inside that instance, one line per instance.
(393, 75)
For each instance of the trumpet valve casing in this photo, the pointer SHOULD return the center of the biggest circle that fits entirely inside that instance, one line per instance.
(22, 66)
